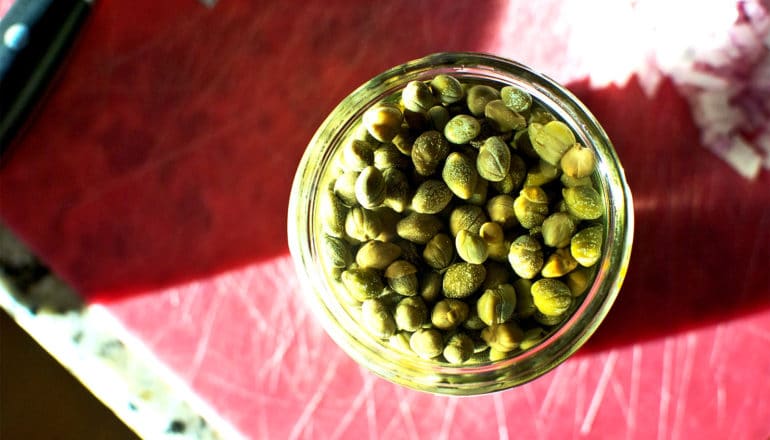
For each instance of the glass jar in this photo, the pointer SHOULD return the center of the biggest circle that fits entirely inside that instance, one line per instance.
(324, 297)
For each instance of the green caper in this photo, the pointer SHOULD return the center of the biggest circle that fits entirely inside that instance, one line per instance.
(376, 254)
(478, 97)
(357, 155)
(383, 121)
(427, 343)
(559, 264)
(468, 217)
(471, 247)
(531, 206)
(336, 252)
(333, 214)
(551, 296)
(500, 210)
(504, 337)
(516, 99)
(462, 279)
(428, 151)
(362, 284)
(447, 89)
(525, 305)
(411, 313)
(502, 118)
(345, 188)
(370, 188)
(541, 173)
(586, 245)
(551, 140)
(419, 228)
(497, 247)
(578, 281)
(495, 306)
(402, 277)
(462, 129)
(460, 175)
(438, 117)
(583, 202)
(377, 319)
(387, 156)
(494, 160)
(430, 286)
(458, 349)
(431, 197)
(557, 230)
(578, 161)
(526, 256)
(449, 313)
(539, 115)
(417, 96)
(439, 251)
(362, 224)
(398, 193)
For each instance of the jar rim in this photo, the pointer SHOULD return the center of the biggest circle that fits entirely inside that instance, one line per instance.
(426, 375)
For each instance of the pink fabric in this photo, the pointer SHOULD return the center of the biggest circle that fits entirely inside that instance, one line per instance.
(156, 180)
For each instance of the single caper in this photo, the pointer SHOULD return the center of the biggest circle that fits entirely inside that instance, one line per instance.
(462, 279)
(438, 116)
(478, 97)
(462, 129)
(504, 337)
(439, 251)
(427, 343)
(398, 193)
(357, 155)
(447, 88)
(370, 188)
(495, 306)
(362, 284)
(541, 173)
(583, 202)
(430, 286)
(400, 341)
(526, 256)
(471, 247)
(558, 264)
(419, 228)
(333, 214)
(578, 280)
(345, 188)
(428, 151)
(336, 252)
(557, 230)
(402, 277)
(389, 219)
(376, 317)
(411, 313)
(497, 246)
(458, 349)
(417, 96)
(388, 156)
(460, 175)
(375, 254)
(516, 99)
(502, 118)
(578, 161)
(586, 245)
(525, 305)
(494, 160)
(404, 140)
(449, 313)
(569, 181)
(479, 196)
(501, 211)
(551, 296)
(551, 140)
(362, 224)
(531, 206)
(383, 121)
(468, 217)
(431, 197)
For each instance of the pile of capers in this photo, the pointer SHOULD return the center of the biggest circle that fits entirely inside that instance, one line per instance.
(460, 221)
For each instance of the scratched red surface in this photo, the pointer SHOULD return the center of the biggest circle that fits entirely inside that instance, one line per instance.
(156, 179)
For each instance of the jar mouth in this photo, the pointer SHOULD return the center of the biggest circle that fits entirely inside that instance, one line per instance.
(429, 375)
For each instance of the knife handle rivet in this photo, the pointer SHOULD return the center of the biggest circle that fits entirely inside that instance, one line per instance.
(16, 36)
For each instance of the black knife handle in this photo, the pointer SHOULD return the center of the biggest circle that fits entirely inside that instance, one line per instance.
(35, 35)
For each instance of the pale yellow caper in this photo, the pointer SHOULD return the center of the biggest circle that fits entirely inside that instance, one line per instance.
(411, 313)
(493, 236)
(362, 284)
(494, 160)
(557, 230)
(439, 251)
(471, 247)
(531, 206)
(430, 286)
(419, 228)
(503, 118)
(417, 96)
(462, 129)
(357, 155)
(398, 193)
(449, 313)
(345, 187)
(526, 256)
(377, 319)
(458, 349)
(431, 197)
(578, 280)
(383, 121)
(428, 151)
(541, 173)
(402, 277)
(375, 254)
(558, 264)
(525, 305)
(462, 279)
(468, 217)
(336, 251)
(586, 245)
(370, 188)
(501, 210)
(516, 99)
(496, 306)
(504, 337)
(333, 214)
(400, 342)
(497, 355)
(460, 175)
(404, 140)
(478, 96)
(551, 296)
(362, 224)
(447, 89)
(583, 202)
(427, 343)
(578, 161)
(551, 140)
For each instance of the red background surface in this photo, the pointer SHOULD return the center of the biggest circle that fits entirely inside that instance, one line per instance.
(156, 180)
